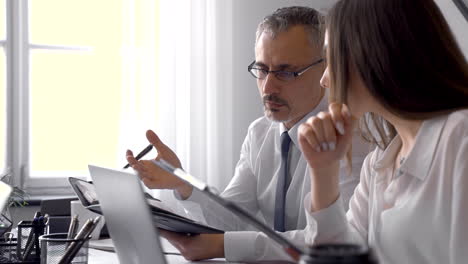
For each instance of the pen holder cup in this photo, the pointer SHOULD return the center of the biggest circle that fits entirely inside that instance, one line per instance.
(8, 251)
(24, 234)
(54, 246)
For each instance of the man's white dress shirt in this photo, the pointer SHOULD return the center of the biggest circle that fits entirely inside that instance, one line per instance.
(254, 188)
(415, 214)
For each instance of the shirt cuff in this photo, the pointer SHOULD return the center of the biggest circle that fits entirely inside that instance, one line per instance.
(240, 245)
(252, 246)
(196, 196)
(329, 222)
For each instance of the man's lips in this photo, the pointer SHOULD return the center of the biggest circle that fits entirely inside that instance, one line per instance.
(270, 104)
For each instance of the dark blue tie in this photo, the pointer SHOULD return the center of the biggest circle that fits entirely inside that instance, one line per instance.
(281, 185)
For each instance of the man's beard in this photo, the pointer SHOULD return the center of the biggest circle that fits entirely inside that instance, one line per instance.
(269, 112)
(274, 99)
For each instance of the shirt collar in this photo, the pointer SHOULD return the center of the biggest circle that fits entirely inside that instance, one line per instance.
(322, 106)
(419, 160)
(387, 158)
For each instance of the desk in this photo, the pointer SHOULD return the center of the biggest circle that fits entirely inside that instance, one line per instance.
(106, 257)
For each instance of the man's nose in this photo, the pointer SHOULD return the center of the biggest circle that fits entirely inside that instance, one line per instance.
(325, 80)
(270, 84)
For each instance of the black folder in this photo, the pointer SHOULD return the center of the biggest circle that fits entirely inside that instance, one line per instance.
(162, 217)
(295, 251)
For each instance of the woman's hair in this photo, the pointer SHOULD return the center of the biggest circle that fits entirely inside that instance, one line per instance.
(406, 56)
(285, 18)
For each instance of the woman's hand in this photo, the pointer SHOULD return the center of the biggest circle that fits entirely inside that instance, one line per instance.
(324, 140)
(326, 137)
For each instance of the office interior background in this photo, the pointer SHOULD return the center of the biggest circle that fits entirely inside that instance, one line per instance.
(81, 82)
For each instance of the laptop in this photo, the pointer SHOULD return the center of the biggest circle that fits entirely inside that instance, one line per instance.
(127, 216)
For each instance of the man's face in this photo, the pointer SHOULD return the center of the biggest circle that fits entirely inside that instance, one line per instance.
(292, 50)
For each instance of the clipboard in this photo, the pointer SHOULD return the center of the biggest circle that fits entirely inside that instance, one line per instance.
(163, 217)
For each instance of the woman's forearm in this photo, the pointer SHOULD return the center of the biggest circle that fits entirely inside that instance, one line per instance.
(324, 188)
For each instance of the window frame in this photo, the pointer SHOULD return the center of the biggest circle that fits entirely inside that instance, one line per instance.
(17, 50)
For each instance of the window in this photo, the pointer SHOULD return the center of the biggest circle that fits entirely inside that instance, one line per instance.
(2, 86)
(86, 65)
(75, 86)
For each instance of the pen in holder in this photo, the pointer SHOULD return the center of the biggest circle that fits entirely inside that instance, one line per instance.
(54, 247)
(58, 249)
(28, 248)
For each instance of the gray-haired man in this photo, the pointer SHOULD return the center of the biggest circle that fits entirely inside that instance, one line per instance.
(271, 177)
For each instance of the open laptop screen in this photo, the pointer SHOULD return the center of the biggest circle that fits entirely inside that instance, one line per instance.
(127, 216)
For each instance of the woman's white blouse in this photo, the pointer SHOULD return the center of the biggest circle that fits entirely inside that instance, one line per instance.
(419, 214)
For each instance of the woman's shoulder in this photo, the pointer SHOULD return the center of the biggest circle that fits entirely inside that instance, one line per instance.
(454, 146)
(453, 143)
(456, 125)
(458, 117)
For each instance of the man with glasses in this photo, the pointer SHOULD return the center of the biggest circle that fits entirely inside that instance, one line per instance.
(271, 177)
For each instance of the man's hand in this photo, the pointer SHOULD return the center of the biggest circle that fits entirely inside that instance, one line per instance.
(203, 246)
(153, 176)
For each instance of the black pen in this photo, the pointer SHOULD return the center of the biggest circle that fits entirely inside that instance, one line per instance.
(141, 154)
(30, 241)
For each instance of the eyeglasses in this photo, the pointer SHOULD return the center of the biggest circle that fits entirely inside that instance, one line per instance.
(261, 74)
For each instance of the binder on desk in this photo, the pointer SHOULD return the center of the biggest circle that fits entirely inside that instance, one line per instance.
(163, 217)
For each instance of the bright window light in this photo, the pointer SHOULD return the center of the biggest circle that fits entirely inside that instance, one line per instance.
(2, 87)
(82, 90)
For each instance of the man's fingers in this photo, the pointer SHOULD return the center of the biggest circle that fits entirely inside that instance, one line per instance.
(164, 233)
(130, 158)
(168, 234)
(172, 236)
(134, 163)
(154, 140)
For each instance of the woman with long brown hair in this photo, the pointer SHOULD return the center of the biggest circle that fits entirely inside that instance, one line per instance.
(395, 65)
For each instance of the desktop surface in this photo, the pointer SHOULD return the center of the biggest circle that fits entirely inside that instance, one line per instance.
(97, 256)
(105, 257)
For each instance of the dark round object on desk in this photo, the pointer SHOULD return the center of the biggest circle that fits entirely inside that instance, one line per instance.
(338, 254)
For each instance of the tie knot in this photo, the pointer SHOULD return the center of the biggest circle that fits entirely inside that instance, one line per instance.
(285, 142)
